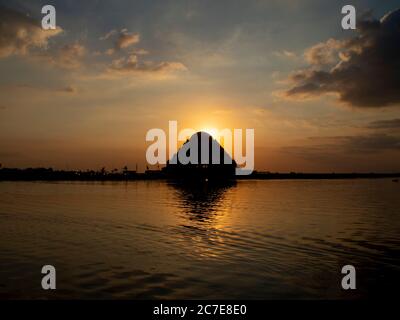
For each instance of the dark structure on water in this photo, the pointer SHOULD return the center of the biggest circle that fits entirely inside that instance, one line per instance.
(210, 162)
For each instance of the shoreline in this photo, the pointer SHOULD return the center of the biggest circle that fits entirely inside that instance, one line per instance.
(54, 175)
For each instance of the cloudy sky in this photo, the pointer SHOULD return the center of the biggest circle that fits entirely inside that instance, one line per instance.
(84, 95)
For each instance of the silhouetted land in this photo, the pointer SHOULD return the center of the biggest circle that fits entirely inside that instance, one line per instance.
(49, 174)
(218, 174)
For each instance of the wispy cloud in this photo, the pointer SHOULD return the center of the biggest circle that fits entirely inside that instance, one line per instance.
(324, 53)
(131, 64)
(30, 88)
(122, 39)
(68, 56)
(285, 54)
(385, 124)
(340, 151)
(68, 89)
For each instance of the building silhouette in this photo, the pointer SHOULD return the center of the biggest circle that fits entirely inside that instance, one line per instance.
(201, 158)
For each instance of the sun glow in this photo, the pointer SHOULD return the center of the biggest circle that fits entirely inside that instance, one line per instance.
(213, 132)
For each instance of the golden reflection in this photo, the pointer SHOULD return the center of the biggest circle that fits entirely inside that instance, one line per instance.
(203, 211)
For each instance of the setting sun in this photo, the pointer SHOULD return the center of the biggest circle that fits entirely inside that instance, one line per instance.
(211, 131)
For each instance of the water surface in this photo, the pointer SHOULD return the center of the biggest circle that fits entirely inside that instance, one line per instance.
(150, 239)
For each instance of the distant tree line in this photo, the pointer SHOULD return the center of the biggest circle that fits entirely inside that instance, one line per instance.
(48, 174)
(52, 174)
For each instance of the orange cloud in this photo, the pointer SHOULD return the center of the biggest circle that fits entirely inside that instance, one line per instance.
(123, 39)
(131, 64)
(19, 33)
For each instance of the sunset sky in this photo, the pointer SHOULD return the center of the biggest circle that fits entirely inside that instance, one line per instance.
(83, 96)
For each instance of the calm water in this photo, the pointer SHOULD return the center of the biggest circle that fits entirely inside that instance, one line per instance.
(253, 240)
